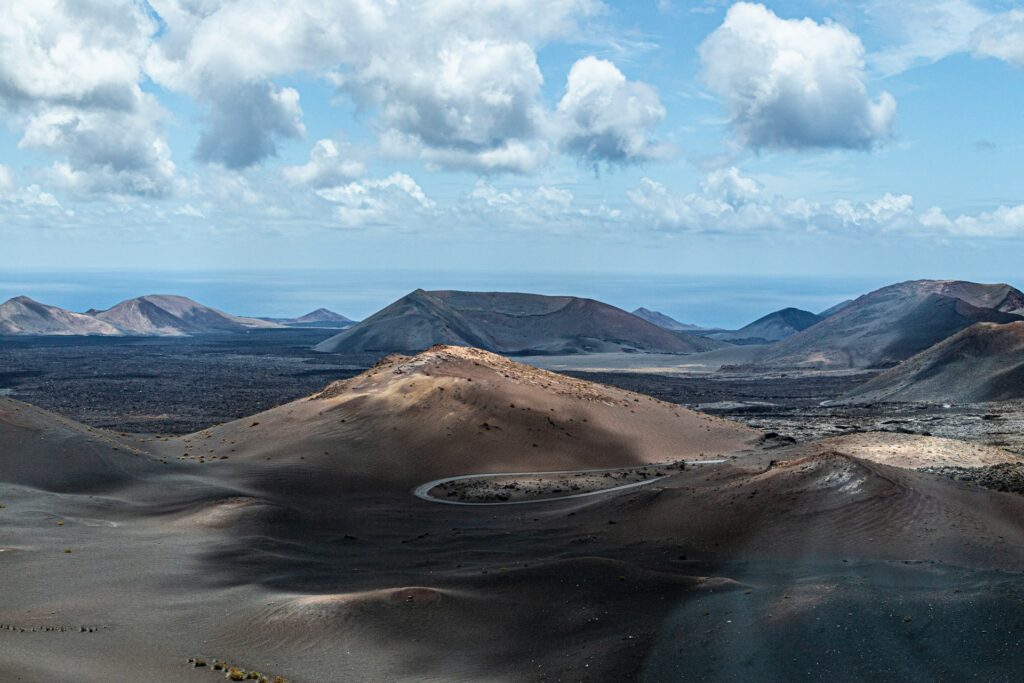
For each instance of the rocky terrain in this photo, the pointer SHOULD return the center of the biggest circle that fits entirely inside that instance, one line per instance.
(983, 363)
(290, 543)
(1007, 477)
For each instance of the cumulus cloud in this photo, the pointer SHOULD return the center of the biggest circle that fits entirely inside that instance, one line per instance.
(792, 84)
(730, 186)
(107, 152)
(327, 167)
(466, 103)
(70, 77)
(387, 201)
(731, 203)
(454, 83)
(246, 121)
(603, 117)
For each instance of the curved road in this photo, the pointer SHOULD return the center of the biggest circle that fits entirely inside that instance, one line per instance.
(423, 490)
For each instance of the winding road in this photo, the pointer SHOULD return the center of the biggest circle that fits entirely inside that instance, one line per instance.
(423, 490)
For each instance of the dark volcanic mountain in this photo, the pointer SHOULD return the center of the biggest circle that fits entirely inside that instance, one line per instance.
(985, 362)
(894, 323)
(161, 315)
(667, 322)
(832, 310)
(25, 316)
(507, 323)
(770, 328)
(320, 318)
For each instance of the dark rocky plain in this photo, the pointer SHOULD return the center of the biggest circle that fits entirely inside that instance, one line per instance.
(182, 385)
(159, 385)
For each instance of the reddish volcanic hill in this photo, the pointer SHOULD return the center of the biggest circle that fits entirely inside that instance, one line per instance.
(454, 410)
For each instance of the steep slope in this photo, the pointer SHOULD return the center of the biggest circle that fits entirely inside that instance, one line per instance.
(45, 451)
(771, 328)
(832, 310)
(894, 323)
(22, 315)
(664, 321)
(985, 362)
(165, 315)
(506, 323)
(455, 410)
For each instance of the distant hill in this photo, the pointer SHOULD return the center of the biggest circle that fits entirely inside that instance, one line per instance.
(162, 315)
(771, 328)
(892, 324)
(985, 362)
(507, 323)
(24, 316)
(321, 315)
(321, 318)
(664, 321)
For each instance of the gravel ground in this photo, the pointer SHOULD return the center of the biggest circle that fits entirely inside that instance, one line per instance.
(1007, 477)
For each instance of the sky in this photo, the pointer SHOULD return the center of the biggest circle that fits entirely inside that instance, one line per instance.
(868, 139)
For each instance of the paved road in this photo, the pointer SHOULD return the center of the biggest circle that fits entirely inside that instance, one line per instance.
(423, 490)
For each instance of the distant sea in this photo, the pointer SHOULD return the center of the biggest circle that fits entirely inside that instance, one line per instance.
(715, 301)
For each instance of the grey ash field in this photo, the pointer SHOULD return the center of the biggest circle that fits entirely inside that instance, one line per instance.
(244, 500)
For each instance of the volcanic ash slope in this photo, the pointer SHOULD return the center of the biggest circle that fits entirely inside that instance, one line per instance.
(454, 410)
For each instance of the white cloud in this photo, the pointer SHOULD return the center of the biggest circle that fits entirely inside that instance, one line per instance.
(327, 166)
(70, 77)
(718, 209)
(388, 201)
(923, 31)
(1002, 222)
(454, 83)
(605, 118)
(791, 84)
(464, 100)
(190, 211)
(6, 179)
(1001, 37)
(730, 186)
(926, 31)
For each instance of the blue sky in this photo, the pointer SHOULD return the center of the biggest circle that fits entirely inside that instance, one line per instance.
(792, 138)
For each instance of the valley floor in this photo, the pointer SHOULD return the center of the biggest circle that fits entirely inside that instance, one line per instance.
(807, 554)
